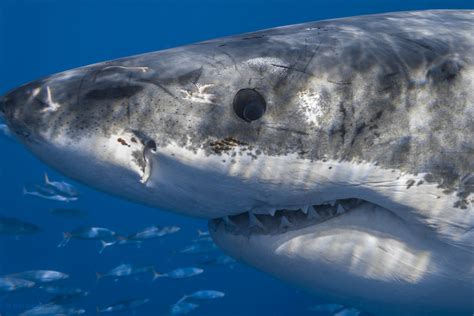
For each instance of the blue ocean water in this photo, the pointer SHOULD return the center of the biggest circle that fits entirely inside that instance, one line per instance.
(41, 37)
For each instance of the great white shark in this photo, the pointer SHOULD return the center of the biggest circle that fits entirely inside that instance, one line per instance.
(337, 155)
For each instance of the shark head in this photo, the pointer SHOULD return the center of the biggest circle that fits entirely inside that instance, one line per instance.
(325, 145)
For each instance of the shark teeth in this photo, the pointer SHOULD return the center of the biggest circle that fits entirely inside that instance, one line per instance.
(271, 211)
(305, 209)
(285, 223)
(229, 222)
(340, 209)
(254, 221)
(312, 214)
(272, 219)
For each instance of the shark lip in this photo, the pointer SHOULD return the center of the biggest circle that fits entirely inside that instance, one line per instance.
(283, 220)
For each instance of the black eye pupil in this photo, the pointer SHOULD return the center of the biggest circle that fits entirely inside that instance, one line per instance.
(253, 111)
(249, 105)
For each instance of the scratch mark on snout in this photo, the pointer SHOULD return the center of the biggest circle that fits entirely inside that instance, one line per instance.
(200, 95)
(142, 69)
(52, 106)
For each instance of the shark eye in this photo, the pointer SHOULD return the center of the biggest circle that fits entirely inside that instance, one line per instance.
(249, 105)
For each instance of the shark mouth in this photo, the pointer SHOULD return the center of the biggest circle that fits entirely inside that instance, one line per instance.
(284, 220)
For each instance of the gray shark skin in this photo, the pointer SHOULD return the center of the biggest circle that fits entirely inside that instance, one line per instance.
(337, 155)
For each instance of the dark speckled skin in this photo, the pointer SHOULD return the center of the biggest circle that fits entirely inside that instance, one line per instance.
(393, 89)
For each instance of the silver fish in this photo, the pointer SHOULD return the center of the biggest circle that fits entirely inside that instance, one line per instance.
(199, 248)
(154, 232)
(180, 273)
(14, 226)
(125, 269)
(40, 276)
(5, 130)
(182, 307)
(61, 290)
(10, 284)
(203, 233)
(124, 305)
(52, 309)
(87, 233)
(219, 260)
(61, 187)
(119, 241)
(64, 299)
(56, 197)
(63, 295)
(205, 295)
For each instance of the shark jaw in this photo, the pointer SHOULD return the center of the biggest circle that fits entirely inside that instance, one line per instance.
(354, 252)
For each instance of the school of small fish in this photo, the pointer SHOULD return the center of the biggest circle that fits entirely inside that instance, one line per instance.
(64, 296)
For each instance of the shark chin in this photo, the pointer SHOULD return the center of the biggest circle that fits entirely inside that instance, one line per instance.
(354, 252)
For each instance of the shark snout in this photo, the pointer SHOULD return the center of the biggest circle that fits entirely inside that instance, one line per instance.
(32, 109)
(18, 111)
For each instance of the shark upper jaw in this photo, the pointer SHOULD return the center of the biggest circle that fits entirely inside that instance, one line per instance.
(274, 221)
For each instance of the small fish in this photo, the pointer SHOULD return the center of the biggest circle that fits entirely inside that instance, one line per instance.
(63, 295)
(182, 307)
(154, 232)
(203, 239)
(62, 290)
(61, 187)
(203, 233)
(65, 299)
(45, 190)
(40, 276)
(87, 233)
(10, 284)
(5, 130)
(58, 198)
(180, 273)
(126, 269)
(348, 312)
(119, 241)
(204, 295)
(69, 213)
(14, 226)
(219, 260)
(327, 308)
(199, 248)
(52, 309)
(123, 305)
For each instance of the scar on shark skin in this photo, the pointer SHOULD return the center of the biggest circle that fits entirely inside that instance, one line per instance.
(123, 142)
(226, 144)
(200, 95)
(52, 106)
(142, 69)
